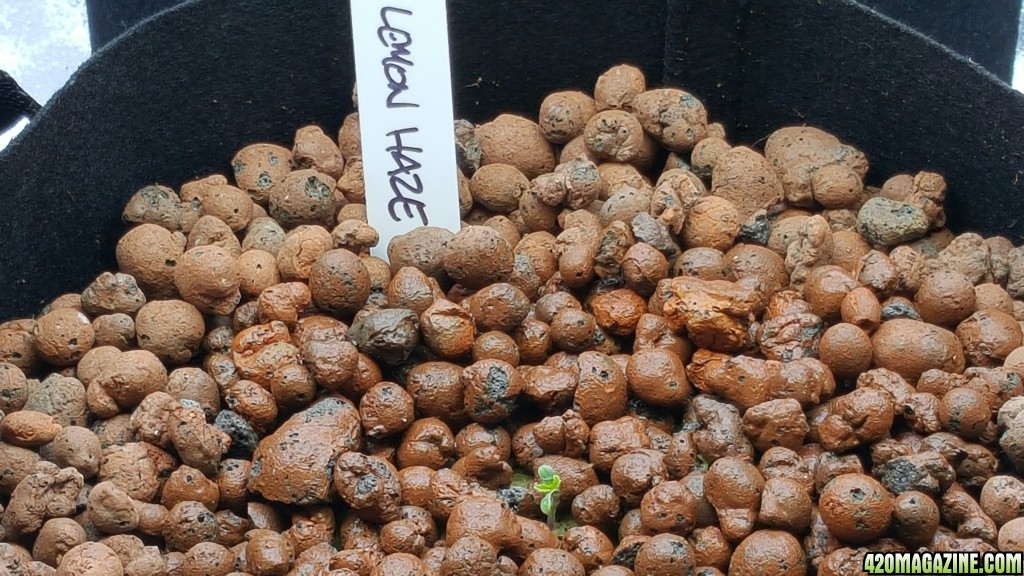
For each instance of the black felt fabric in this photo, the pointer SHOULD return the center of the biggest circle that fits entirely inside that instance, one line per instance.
(707, 63)
(177, 96)
(985, 31)
(508, 54)
(108, 19)
(15, 103)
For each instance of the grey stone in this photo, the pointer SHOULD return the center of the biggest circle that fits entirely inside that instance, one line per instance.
(386, 335)
(885, 222)
(648, 229)
(243, 437)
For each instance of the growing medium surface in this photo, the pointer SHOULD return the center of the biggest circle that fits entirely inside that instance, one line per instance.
(650, 350)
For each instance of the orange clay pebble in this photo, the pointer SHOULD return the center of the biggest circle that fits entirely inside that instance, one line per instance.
(910, 348)
(495, 345)
(657, 376)
(713, 222)
(664, 554)
(745, 178)
(314, 149)
(258, 269)
(676, 119)
(28, 429)
(826, 288)
(171, 329)
(618, 86)
(846, 350)
(150, 254)
(618, 311)
(63, 336)
(518, 142)
(498, 187)
(915, 517)
(477, 256)
(614, 135)
(786, 230)
(856, 508)
(861, 308)
(154, 204)
(800, 154)
(988, 336)
(1011, 536)
(768, 552)
(734, 488)
(945, 297)
(208, 277)
(590, 546)
(563, 115)
(669, 507)
(228, 204)
(991, 295)
(259, 167)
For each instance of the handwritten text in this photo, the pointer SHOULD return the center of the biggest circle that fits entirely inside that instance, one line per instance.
(395, 65)
(404, 178)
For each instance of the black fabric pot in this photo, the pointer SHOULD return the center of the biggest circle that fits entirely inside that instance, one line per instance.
(175, 97)
(985, 32)
(108, 19)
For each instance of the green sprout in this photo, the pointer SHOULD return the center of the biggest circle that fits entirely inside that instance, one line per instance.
(548, 485)
(703, 462)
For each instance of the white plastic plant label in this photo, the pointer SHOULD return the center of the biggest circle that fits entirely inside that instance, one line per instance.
(403, 76)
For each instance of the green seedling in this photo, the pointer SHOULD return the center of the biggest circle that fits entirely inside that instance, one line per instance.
(703, 462)
(548, 485)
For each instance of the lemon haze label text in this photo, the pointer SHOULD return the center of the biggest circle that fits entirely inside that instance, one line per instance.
(405, 112)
